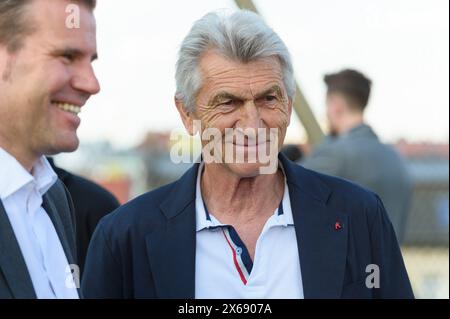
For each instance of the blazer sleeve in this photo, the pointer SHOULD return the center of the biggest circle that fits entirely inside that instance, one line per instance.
(394, 282)
(102, 272)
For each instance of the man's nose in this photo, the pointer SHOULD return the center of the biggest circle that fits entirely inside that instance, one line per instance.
(86, 81)
(250, 116)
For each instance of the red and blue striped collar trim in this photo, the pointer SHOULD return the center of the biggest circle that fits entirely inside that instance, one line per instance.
(241, 257)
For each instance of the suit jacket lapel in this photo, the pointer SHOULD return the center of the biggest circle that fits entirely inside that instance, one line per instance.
(51, 209)
(55, 208)
(322, 247)
(171, 250)
(12, 263)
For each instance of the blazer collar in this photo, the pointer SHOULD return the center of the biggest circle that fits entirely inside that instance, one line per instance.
(322, 247)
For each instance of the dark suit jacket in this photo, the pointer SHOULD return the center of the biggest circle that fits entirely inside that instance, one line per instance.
(91, 203)
(15, 281)
(146, 248)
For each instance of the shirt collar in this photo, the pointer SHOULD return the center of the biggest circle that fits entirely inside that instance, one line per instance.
(204, 220)
(15, 176)
(286, 219)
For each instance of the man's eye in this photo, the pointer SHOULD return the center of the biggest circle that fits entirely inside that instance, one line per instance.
(271, 98)
(69, 57)
(227, 103)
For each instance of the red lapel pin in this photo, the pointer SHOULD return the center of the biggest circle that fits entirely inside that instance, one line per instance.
(337, 226)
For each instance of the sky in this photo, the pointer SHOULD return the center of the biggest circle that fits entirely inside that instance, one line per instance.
(402, 45)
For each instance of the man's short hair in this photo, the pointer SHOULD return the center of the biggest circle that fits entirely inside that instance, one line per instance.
(353, 85)
(241, 36)
(14, 25)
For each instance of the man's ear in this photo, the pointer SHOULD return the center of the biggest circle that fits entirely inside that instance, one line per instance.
(186, 116)
(340, 106)
(5, 63)
(8, 60)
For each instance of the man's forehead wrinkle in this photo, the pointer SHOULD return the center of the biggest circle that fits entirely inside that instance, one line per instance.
(226, 74)
(260, 78)
(237, 82)
(242, 80)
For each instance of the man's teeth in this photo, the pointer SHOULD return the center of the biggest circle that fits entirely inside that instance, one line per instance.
(69, 107)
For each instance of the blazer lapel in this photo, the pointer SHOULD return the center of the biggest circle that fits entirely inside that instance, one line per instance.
(51, 209)
(171, 250)
(53, 204)
(322, 243)
(12, 263)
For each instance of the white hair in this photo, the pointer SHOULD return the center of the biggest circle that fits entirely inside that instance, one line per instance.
(241, 35)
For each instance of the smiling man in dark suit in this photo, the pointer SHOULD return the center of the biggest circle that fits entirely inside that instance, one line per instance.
(46, 77)
(231, 226)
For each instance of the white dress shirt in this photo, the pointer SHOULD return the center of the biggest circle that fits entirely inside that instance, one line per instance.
(223, 267)
(21, 194)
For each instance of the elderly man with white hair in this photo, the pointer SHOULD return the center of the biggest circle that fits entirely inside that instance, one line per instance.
(245, 222)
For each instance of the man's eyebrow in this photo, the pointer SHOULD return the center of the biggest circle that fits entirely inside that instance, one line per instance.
(274, 89)
(219, 97)
(76, 53)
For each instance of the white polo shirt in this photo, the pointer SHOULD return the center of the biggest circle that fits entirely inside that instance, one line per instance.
(21, 194)
(223, 267)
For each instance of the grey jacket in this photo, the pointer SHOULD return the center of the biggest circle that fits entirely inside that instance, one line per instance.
(360, 157)
(15, 281)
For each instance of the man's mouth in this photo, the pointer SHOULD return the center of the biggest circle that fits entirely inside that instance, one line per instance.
(67, 107)
(250, 143)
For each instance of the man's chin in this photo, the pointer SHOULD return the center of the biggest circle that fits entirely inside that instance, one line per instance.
(67, 145)
(246, 170)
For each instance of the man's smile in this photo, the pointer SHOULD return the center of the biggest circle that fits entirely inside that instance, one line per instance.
(68, 107)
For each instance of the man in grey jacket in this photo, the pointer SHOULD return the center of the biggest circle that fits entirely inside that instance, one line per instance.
(353, 150)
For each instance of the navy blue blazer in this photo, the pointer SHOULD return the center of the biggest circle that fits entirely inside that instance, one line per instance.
(146, 248)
